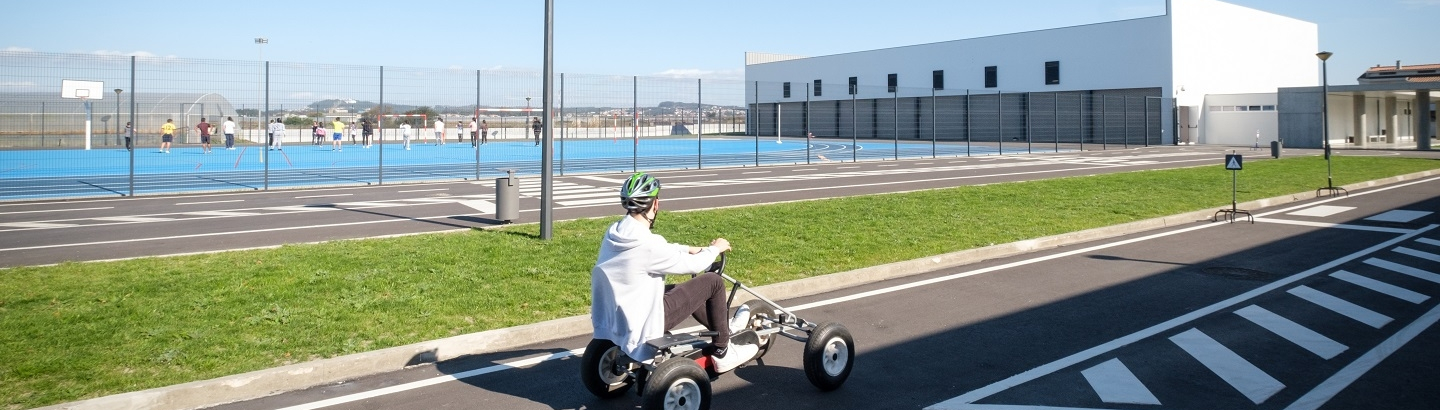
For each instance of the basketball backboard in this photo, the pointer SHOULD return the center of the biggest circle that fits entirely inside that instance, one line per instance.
(90, 90)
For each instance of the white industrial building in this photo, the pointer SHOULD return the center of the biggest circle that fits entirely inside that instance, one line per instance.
(1205, 72)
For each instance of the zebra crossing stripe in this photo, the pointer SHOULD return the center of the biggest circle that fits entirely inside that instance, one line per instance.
(1115, 383)
(1382, 287)
(1254, 383)
(1341, 306)
(1381, 263)
(1428, 241)
(1332, 386)
(1294, 332)
(1419, 254)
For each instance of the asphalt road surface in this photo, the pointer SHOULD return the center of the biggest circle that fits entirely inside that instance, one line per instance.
(46, 232)
(1324, 304)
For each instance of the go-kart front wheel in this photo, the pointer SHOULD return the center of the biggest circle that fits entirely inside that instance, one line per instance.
(601, 370)
(677, 384)
(829, 356)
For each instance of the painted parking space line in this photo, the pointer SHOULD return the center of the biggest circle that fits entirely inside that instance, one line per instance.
(1418, 273)
(1115, 383)
(1343, 307)
(1419, 254)
(1254, 383)
(1302, 336)
(1321, 211)
(1378, 286)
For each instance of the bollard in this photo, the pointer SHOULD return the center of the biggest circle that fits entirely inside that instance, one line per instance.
(507, 197)
(1275, 149)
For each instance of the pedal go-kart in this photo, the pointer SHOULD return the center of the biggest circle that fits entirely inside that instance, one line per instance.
(679, 375)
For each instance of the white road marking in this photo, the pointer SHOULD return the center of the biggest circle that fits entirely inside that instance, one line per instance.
(423, 190)
(1419, 254)
(56, 210)
(1311, 340)
(1330, 387)
(963, 401)
(1378, 286)
(804, 169)
(1359, 313)
(1398, 216)
(755, 172)
(221, 213)
(584, 202)
(133, 219)
(210, 202)
(612, 181)
(1381, 263)
(485, 207)
(1321, 211)
(1114, 383)
(1254, 383)
(322, 196)
(1333, 225)
(35, 225)
(1428, 241)
(845, 167)
(523, 363)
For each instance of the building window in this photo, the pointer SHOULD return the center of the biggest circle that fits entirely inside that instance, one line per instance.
(817, 88)
(1052, 72)
(891, 81)
(787, 89)
(854, 85)
(937, 80)
(990, 77)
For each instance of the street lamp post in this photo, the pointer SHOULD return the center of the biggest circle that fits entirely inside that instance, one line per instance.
(525, 125)
(1329, 187)
(117, 115)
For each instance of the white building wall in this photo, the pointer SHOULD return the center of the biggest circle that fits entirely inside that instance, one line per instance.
(1121, 54)
(1222, 48)
(1234, 127)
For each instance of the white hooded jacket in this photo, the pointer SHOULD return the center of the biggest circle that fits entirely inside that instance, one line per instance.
(627, 284)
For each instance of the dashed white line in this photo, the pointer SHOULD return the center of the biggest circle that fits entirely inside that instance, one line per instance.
(1378, 286)
(210, 202)
(56, 210)
(1343, 307)
(1302, 336)
(321, 196)
(1254, 383)
(1114, 383)
(755, 172)
(423, 190)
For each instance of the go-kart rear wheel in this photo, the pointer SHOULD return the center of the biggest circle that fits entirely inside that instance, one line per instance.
(829, 356)
(677, 384)
(757, 311)
(601, 369)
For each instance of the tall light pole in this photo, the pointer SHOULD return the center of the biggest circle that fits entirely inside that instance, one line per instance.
(117, 115)
(259, 77)
(1325, 126)
(525, 125)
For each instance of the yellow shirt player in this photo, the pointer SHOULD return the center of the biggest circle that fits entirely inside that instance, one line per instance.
(167, 135)
(337, 130)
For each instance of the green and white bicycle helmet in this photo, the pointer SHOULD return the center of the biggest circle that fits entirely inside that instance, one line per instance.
(639, 192)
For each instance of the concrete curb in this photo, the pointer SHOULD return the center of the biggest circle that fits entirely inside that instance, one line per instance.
(299, 376)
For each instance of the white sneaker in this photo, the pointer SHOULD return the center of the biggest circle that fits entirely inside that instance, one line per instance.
(735, 355)
(740, 320)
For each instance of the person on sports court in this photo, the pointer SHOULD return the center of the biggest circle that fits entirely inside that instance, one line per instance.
(440, 131)
(338, 132)
(484, 131)
(630, 302)
(129, 135)
(353, 131)
(474, 132)
(228, 128)
(204, 128)
(460, 130)
(366, 131)
(167, 135)
(536, 127)
(316, 133)
(277, 134)
(405, 133)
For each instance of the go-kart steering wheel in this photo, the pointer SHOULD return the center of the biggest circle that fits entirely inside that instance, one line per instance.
(718, 266)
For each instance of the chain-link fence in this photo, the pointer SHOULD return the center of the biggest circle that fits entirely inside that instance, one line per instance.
(276, 124)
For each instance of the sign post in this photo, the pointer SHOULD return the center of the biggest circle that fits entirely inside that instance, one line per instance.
(1234, 163)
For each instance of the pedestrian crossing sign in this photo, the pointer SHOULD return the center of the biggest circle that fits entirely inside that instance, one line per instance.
(1233, 162)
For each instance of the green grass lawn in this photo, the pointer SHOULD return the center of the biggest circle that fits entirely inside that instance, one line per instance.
(83, 330)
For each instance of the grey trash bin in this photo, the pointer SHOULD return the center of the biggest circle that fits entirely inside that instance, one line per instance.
(507, 197)
(1275, 149)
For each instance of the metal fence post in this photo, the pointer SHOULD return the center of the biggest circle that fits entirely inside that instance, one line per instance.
(895, 114)
(807, 123)
(934, 122)
(1000, 120)
(134, 140)
(854, 128)
(699, 124)
(265, 153)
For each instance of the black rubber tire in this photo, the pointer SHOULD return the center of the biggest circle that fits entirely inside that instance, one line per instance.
(758, 307)
(677, 384)
(829, 356)
(598, 370)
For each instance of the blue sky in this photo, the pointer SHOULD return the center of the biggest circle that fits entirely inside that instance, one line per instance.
(639, 37)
